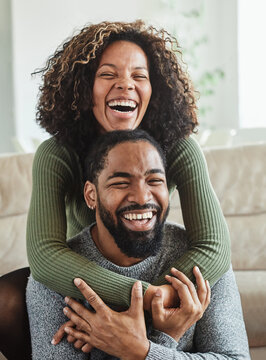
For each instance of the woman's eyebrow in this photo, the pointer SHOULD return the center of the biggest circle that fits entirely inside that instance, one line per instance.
(114, 66)
(107, 64)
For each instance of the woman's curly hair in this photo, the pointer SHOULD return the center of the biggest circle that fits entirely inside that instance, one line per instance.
(65, 101)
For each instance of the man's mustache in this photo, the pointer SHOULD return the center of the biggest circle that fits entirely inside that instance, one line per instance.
(139, 207)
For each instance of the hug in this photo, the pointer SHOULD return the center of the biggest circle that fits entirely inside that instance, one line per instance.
(123, 76)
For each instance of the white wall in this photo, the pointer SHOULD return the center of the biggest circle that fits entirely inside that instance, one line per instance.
(40, 26)
(7, 127)
(252, 60)
(218, 22)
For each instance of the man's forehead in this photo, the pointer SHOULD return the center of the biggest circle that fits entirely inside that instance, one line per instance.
(133, 157)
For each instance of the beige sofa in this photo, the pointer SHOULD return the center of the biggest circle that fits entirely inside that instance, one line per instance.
(238, 176)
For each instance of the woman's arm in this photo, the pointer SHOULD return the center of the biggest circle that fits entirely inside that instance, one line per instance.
(52, 262)
(205, 225)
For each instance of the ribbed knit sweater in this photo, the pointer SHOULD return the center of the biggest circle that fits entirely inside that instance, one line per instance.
(220, 334)
(58, 212)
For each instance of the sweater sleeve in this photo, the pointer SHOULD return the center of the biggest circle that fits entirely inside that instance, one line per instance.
(51, 261)
(205, 225)
(219, 334)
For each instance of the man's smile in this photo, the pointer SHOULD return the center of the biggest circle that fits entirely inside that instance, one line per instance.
(139, 220)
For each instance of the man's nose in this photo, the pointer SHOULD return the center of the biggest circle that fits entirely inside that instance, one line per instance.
(125, 83)
(140, 194)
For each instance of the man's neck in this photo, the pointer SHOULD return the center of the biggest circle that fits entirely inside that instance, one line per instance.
(107, 246)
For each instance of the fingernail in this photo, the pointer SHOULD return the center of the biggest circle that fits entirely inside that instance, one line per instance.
(53, 342)
(77, 282)
(196, 268)
(67, 299)
(157, 293)
(66, 329)
(138, 285)
(65, 310)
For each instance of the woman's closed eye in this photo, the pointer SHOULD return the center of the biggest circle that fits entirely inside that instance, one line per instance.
(106, 75)
(141, 76)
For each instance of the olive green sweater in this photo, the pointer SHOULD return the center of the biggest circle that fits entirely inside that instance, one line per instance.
(58, 212)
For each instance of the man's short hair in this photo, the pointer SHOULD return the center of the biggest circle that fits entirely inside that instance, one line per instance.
(95, 160)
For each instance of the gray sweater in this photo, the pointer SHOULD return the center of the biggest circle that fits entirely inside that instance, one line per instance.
(220, 334)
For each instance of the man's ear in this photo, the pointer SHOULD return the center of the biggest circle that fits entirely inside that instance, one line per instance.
(90, 194)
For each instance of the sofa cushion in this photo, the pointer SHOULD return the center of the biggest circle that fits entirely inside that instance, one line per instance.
(13, 244)
(15, 192)
(252, 288)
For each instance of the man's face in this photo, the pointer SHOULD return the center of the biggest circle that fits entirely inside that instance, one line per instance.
(132, 198)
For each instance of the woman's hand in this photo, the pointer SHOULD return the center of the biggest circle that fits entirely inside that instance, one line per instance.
(169, 296)
(78, 344)
(121, 334)
(176, 321)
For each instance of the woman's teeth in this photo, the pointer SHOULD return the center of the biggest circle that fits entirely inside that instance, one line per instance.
(133, 216)
(122, 105)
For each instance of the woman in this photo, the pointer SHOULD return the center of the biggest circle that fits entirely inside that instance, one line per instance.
(114, 76)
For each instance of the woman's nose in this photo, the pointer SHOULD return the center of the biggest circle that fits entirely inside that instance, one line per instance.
(125, 84)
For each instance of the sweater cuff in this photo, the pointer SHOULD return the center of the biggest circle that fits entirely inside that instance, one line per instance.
(158, 352)
(163, 339)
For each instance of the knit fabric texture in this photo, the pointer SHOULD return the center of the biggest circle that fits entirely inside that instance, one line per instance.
(58, 212)
(220, 334)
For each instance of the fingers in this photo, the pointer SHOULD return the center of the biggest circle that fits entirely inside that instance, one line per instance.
(70, 338)
(78, 344)
(94, 300)
(79, 335)
(58, 336)
(203, 287)
(136, 306)
(185, 280)
(157, 307)
(77, 320)
(181, 284)
(87, 348)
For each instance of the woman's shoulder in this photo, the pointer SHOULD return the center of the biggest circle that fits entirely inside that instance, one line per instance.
(51, 153)
(52, 148)
(186, 145)
(185, 151)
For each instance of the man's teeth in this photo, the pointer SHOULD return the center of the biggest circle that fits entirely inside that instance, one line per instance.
(128, 103)
(132, 216)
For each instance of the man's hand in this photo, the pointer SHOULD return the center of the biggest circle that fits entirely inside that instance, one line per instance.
(121, 334)
(176, 321)
(78, 344)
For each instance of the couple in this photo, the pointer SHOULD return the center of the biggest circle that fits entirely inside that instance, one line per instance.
(126, 187)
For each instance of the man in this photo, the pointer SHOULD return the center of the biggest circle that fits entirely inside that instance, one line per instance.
(127, 188)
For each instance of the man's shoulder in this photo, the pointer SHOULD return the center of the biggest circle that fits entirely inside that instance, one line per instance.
(175, 236)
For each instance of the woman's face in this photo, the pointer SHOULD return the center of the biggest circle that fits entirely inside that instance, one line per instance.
(122, 88)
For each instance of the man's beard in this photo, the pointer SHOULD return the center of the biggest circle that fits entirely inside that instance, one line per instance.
(137, 244)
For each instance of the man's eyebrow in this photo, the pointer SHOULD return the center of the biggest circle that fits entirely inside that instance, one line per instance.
(119, 174)
(154, 171)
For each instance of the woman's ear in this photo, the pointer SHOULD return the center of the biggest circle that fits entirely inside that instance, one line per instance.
(90, 194)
